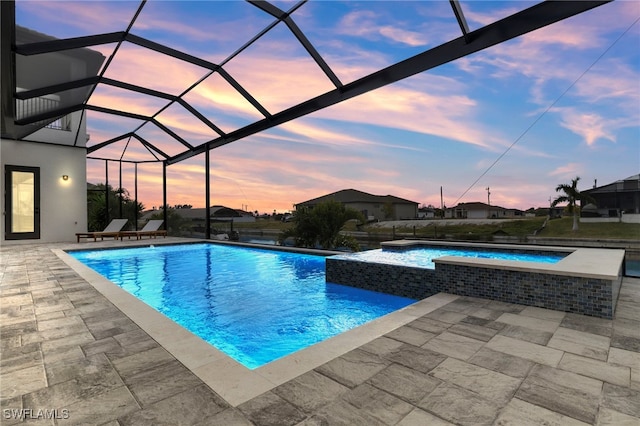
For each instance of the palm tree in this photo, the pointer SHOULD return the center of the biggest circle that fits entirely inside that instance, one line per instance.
(571, 196)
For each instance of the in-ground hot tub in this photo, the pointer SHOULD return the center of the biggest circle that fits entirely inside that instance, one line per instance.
(585, 281)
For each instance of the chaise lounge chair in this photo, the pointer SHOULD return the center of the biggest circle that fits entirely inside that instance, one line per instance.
(112, 230)
(151, 230)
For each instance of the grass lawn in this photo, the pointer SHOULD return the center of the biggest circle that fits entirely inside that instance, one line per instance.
(263, 224)
(561, 228)
(558, 228)
(520, 228)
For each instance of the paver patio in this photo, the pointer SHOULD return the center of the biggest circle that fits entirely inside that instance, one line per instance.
(68, 352)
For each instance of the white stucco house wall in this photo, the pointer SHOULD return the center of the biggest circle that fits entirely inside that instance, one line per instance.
(43, 171)
(477, 210)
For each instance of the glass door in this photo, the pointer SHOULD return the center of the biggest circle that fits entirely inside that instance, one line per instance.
(22, 202)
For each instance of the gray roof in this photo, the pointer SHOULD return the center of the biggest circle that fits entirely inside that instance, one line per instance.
(476, 205)
(347, 196)
(632, 183)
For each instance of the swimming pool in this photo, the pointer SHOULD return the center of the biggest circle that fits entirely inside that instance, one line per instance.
(584, 281)
(422, 257)
(255, 305)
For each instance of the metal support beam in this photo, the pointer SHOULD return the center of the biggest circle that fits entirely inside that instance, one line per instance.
(49, 115)
(528, 20)
(201, 117)
(165, 215)
(120, 189)
(125, 161)
(108, 142)
(207, 191)
(151, 148)
(48, 90)
(7, 68)
(457, 10)
(140, 41)
(135, 194)
(105, 110)
(68, 43)
(295, 30)
(106, 189)
(171, 133)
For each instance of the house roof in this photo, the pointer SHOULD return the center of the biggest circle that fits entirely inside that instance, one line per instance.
(476, 205)
(347, 196)
(632, 183)
(37, 71)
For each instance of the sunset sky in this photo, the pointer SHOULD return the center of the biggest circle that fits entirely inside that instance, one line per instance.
(565, 98)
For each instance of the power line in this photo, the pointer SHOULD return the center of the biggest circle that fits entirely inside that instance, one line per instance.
(546, 110)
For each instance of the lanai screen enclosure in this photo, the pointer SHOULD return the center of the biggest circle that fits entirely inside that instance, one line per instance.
(124, 43)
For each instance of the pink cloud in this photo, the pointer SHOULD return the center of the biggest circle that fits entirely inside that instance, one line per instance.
(485, 18)
(364, 23)
(298, 159)
(136, 65)
(401, 107)
(590, 126)
(415, 106)
(570, 170)
(278, 81)
(186, 125)
(124, 100)
(317, 134)
(531, 53)
(399, 35)
(217, 100)
(358, 23)
(611, 80)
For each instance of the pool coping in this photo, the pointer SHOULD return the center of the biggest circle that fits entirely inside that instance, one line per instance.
(227, 377)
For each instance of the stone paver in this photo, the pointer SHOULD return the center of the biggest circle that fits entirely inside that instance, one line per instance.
(564, 392)
(523, 349)
(618, 375)
(65, 347)
(381, 405)
(581, 343)
(496, 386)
(310, 391)
(454, 345)
(460, 406)
(405, 383)
(353, 368)
(521, 413)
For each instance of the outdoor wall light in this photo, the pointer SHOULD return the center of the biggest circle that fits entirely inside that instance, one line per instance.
(65, 177)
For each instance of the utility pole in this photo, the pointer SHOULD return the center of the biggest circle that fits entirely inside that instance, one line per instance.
(488, 201)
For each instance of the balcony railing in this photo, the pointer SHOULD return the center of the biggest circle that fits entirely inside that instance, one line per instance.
(34, 106)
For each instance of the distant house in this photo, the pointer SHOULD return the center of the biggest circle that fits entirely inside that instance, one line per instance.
(218, 213)
(373, 207)
(426, 213)
(614, 199)
(477, 210)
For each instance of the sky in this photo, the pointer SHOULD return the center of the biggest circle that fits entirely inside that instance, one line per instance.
(505, 125)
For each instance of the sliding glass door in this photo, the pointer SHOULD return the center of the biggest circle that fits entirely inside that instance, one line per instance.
(22, 202)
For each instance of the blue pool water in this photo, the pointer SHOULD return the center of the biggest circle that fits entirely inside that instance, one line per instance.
(256, 305)
(422, 257)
